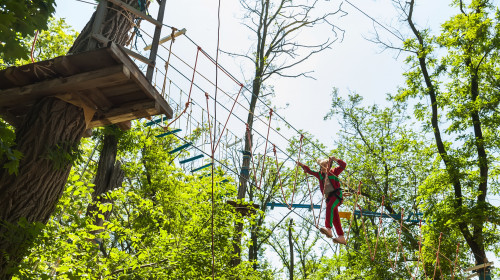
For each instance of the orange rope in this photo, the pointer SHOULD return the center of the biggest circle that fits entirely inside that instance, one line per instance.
(437, 257)
(278, 173)
(420, 248)
(455, 263)
(33, 47)
(296, 169)
(190, 90)
(230, 114)
(312, 203)
(354, 208)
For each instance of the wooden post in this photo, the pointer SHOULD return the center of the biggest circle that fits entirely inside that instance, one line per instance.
(98, 21)
(290, 243)
(156, 39)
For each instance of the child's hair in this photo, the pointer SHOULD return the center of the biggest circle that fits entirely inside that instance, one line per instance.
(323, 162)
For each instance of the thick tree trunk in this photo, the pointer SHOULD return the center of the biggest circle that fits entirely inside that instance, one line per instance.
(49, 134)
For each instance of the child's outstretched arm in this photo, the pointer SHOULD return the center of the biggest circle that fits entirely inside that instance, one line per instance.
(337, 170)
(307, 169)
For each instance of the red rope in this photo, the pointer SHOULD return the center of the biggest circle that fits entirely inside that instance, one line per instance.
(168, 62)
(437, 257)
(190, 90)
(378, 230)
(312, 203)
(33, 47)
(353, 209)
(455, 263)
(278, 173)
(265, 148)
(420, 248)
(402, 252)
(296, 168)
(218, 66)
(230, 114)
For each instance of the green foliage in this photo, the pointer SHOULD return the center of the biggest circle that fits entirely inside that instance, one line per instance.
(7, 152)
(160, 227)
(53, 42)
(18, 20)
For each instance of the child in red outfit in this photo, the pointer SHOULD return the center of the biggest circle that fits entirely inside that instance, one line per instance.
(330, 188)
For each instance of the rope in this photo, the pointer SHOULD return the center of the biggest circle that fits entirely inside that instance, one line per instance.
(437, 257)
(279, 177)
(230, 114)
(190, 89)
(33, 46)
(265, 149)
(168, 61)
(354, 208)
(296, 169)
(420, 248)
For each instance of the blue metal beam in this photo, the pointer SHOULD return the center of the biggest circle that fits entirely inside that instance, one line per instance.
(191, 159)
(150, 123)
(306, 206)
(180, 148)
(168, 133)
(201, 167)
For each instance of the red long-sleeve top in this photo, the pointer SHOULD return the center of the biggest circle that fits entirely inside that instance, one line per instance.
(333, 171)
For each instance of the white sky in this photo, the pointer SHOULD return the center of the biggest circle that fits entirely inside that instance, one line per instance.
(353, 64)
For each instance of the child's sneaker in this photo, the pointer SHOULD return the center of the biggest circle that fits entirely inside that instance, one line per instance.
(340, 240)
(326, 231)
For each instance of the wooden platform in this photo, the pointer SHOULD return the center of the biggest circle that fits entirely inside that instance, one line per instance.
(245, 208)
(106, 83)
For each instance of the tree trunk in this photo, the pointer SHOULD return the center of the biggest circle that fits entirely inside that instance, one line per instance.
(245, 169)
(109, 176)
(50, 133)
(48, 138)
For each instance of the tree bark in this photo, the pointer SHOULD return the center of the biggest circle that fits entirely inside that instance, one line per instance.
(109, 176)
(49, 134)
(51, 131)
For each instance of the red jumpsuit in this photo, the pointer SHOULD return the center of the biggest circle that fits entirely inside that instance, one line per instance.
(333, 198)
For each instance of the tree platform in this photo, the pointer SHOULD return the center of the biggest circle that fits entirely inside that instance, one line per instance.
(105, 82)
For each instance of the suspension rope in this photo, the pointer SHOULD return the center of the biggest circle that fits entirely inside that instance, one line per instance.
(190, 89)
(279, 177)
(265, 148)
(230, 114)
(437, 257)
(353, 208)
(296, 169)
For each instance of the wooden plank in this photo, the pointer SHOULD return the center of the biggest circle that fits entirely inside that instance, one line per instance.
(480, 266)
(168, 38)
(57, 86)
(472, 276)
(65, 67)
(135, 12)
(140, 79)
(139, 57)
(125, 112)
(99, 99)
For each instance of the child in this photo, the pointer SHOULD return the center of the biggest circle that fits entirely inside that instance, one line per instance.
(330, 187)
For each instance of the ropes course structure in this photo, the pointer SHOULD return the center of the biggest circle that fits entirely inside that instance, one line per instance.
(219, 139)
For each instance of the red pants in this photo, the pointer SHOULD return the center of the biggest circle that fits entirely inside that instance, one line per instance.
(332, 214)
